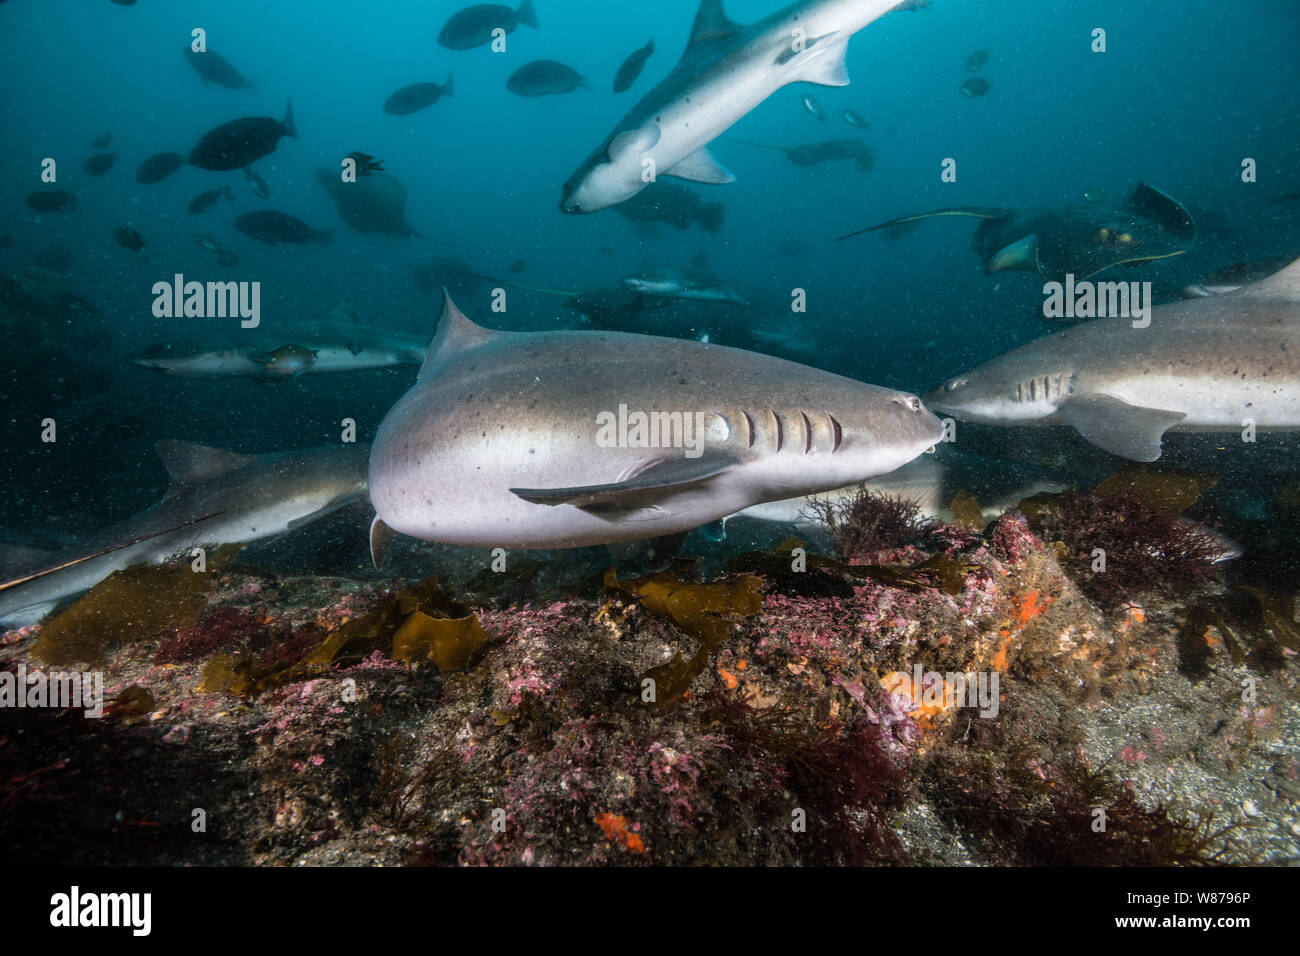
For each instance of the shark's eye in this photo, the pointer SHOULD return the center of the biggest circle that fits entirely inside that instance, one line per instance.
(915, 404)
(951, 385)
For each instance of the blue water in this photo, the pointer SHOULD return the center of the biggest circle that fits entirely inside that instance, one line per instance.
(1184, 93)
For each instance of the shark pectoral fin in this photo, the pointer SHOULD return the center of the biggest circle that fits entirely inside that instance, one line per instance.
(701, 167)
(1113, 425)
(381, 537)
(826, 69)
(645, 490)
(634, 141)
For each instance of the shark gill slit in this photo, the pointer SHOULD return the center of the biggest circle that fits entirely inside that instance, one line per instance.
(837, 433)
(807, 433)
(776, 423)
(749, 429)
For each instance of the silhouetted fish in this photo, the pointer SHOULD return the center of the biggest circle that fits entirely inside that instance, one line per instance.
(544, 78)
(214, 68)
(128, 238)
(977, 60)
(473, 26)
(269, 226)
(632, 67)
(242, 141)
(99, 164)
(158, 167)
(204, 201)
(975, 86)
(417, 96)
(52, 200)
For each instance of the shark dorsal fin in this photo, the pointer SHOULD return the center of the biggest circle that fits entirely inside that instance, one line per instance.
(1284, 284)
(190, 464)
(700, 263)
(711, 24)
(456, 333)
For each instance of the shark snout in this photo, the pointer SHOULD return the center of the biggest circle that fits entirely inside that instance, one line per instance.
(918, 419)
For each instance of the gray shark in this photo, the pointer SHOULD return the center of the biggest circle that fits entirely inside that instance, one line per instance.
(694, 282)
(726, 71)
(334, 345)
(216, 497)
(565, 439)
(1213, 364)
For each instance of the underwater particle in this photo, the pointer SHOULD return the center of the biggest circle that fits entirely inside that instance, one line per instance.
(128, 606)
(975, 86)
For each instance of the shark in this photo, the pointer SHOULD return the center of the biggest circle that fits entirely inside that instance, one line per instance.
(215, 497)
(726, 71)
(1222, 363)
(564, 439)
(339, 343)
(694, 282)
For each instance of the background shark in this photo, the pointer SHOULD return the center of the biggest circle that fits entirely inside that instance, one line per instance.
(726, 71)
(1207, 364)
(216, 497)
(340, 343)
(499, 442)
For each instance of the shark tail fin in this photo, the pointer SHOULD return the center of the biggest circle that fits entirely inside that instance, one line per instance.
(526, 14)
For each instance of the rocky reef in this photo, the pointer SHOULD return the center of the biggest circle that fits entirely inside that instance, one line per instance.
(935, 695)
